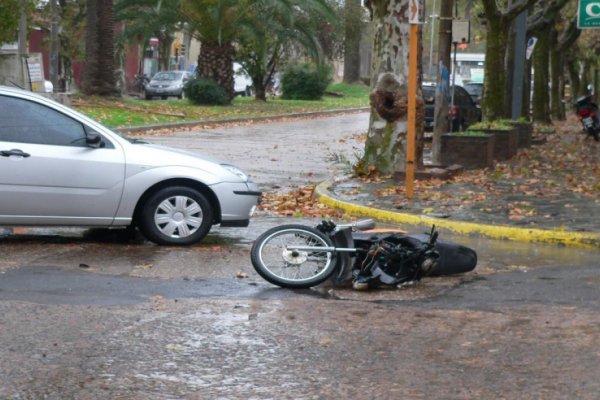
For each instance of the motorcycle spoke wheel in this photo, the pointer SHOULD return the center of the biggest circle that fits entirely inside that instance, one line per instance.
(281, 265)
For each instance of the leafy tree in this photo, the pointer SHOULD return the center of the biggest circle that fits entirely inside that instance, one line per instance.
(544, 23)
(72, 21)
(9, 21)
(279, 33)
(498, 18)
(145, 19)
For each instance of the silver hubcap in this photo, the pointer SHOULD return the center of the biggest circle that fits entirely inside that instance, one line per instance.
(178, 216)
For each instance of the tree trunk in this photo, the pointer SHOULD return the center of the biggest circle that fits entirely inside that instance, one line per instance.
(215, 62)
(445, 34)
(165, 52)
(556, 71)
(91, 64)
(541, 60)
(573, 67)
(99, 77)
(385, 148)
(260, 90)
(509, 64)
(352, 35)
(492, 104)
(585, 78)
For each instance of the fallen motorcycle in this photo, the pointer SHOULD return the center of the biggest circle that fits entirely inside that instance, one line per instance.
(299, 256)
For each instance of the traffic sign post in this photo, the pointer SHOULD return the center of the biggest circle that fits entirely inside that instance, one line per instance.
(588, 14)
(416, 16)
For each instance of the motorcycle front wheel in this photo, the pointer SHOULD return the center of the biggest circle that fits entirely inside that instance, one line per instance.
(288, 256)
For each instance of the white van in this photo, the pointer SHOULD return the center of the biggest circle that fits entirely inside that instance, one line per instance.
(242, 83)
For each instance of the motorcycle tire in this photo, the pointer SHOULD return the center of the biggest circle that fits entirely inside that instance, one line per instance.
(294, 269)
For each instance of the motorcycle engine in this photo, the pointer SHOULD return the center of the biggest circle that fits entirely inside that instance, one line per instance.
(396, 260)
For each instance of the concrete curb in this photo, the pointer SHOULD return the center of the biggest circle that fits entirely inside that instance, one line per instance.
(210, 122)
(566, 238)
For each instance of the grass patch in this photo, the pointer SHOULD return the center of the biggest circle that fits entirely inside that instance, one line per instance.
(128, 111)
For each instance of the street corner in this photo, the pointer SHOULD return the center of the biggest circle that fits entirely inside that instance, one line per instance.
(326, 194)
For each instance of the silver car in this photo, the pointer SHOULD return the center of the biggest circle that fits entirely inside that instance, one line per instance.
(59, 167)
(167, 83)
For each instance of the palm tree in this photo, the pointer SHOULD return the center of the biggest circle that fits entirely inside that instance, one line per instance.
(220, 24)
(216, 24)
(264, 46)
(99, 77)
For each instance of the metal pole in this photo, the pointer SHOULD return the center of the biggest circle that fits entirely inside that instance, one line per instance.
(412, 111)
(453, 75)
(432, 16)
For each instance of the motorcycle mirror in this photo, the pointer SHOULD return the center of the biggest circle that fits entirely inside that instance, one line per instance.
(433, 235)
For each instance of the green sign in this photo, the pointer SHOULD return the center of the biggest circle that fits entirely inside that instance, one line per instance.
(588, 14)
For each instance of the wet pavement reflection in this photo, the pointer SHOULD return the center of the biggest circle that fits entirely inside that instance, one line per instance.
(218, 266)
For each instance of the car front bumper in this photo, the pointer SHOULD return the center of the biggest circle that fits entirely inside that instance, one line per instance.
(151, 91)
(238, 202)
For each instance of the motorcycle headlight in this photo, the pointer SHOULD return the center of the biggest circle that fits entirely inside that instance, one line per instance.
(235, 170)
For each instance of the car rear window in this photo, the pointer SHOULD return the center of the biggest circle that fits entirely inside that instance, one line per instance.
(428, 94)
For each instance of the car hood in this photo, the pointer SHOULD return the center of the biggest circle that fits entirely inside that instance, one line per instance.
(155, 155)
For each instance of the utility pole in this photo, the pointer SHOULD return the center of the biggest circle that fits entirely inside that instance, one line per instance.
(433, 16)
(441, 94)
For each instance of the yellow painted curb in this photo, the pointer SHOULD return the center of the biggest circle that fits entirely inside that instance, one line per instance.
(578, 239)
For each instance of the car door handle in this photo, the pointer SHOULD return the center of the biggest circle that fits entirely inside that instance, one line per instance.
(14, 152)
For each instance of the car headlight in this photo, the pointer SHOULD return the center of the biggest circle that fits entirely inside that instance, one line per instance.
(235, 170)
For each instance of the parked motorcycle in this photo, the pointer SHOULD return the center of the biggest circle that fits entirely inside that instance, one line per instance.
(589, 115)
(299, 256)
(139, 84)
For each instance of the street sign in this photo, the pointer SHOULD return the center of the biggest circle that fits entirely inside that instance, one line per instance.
(530, 46)
(588, 14)
(416, 12)
(461, 31)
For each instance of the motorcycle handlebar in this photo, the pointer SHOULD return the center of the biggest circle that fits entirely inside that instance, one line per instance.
(361, 225)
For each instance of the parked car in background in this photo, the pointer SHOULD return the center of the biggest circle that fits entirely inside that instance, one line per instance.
(167, 83)
(59, 167)
(463, 113)
(242, 83)
(475, 90)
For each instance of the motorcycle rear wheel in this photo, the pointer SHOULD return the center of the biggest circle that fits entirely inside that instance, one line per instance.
(289, 268)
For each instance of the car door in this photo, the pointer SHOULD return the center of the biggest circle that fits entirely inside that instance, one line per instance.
(49, 175)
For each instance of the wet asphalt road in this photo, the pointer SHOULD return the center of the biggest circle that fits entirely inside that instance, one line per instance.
(106, 315)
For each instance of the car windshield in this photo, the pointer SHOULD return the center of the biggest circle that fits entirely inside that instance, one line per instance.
(167, 76)
(474, 89)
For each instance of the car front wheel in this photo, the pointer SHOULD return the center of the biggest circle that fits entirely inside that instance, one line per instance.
(176, 216)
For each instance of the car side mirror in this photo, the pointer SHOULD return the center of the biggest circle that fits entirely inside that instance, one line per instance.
(94, 140)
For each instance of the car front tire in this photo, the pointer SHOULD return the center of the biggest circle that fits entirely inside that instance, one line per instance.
(176, 215)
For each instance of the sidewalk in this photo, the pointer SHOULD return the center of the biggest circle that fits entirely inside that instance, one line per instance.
(547, 193)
